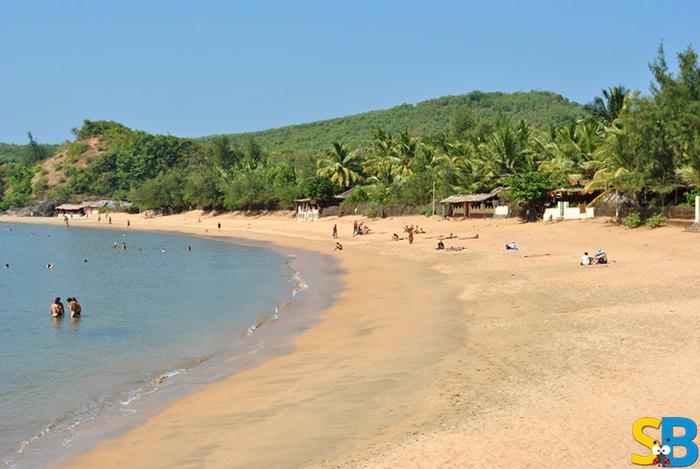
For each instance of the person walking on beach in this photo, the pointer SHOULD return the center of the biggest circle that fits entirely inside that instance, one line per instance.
(335, 231)
(74, 307)
(128, 223)
(410, 237)
(219, 226)
(57, 308)
(109, 220)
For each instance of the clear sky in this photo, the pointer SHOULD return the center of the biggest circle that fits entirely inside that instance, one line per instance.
(193, 68)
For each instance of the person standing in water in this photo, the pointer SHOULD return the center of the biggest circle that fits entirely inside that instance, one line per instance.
(57, 310)
(74, 307)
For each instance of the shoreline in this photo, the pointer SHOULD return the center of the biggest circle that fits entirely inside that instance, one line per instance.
(438, 359)
(268, 337)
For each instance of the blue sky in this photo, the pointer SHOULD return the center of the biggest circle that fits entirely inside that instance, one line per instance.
(193, 68)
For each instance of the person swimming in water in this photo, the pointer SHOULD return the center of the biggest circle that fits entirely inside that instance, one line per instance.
(50, 266)
(57, 310)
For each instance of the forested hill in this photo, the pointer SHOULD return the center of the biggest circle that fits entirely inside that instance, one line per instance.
(538, 108)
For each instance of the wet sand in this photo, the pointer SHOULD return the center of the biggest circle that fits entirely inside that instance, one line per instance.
(450, 359)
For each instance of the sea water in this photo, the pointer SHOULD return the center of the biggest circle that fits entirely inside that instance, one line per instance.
(150, 312)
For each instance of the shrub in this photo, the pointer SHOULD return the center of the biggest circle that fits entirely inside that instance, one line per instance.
(633, 220)
(656, 221)
(371, 212)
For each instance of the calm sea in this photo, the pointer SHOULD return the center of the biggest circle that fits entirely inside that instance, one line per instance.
(149, 317)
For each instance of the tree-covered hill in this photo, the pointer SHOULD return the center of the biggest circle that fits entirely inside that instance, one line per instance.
(538, 108)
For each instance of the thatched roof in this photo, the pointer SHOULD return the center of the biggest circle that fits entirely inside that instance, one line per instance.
(70, 207)
(463, 198)
(346, 194)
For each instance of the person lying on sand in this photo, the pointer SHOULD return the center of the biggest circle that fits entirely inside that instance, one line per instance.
(451, 236)
(338, 247)
(476, 236)
(440, 245)
(456, 248)
(396, 237)
(512, 246)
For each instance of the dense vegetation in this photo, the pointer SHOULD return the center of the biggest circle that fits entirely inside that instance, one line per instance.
(429, 117)
(29, 153)
(644, 146)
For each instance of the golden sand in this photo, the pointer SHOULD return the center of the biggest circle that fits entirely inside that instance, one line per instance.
(440, 359)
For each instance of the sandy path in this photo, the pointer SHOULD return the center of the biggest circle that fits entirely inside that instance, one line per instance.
(435, 359)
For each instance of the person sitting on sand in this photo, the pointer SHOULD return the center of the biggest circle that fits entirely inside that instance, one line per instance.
(74, 307)
(395, 237)
(586, 259)
(512, 246)
(440, 245)
(57, 308)
(600, 257)
(338, 246)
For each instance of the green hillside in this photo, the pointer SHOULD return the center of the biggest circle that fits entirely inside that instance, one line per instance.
(13, 153)
(539, 108)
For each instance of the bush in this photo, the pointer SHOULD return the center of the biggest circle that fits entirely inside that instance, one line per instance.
(371, 212)
(656, 221)
(633, 220)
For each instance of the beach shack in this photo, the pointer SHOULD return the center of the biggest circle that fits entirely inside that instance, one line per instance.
(307, 209)
(476, 205)
(570, 204)
(344, 195)
(71, 210)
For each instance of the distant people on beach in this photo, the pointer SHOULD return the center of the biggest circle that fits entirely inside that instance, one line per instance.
(74, 307)
(218, 225)
(338, 246)
(600, 258)
(512, 246)
(440, 245)
(359, 228)
(128, 223)
(57, 310)
(109, 220)
(410, 237)
(396, 237)
(335, 231)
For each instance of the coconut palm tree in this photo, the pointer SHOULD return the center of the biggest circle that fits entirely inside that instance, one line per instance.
(406, 148)
(339, 165)
(608, 107)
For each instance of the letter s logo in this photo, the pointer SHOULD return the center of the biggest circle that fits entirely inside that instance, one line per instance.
(644, 439)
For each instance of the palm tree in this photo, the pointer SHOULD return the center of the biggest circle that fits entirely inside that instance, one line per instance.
(608, 107)
(339, 165)
(380, 160)
(614, 167)
(406, 149)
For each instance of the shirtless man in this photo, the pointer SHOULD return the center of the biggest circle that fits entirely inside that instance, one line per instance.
(57, 308)
(74, 307)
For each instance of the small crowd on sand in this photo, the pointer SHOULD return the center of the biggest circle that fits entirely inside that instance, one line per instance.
(57, 309)
(360, 228)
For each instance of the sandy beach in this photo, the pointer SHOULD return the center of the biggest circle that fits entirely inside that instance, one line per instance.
(448, 359)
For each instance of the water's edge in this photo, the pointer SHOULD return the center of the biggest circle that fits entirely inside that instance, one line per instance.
(317, 282)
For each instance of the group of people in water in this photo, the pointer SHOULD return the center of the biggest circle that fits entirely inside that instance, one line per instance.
(57, 309)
